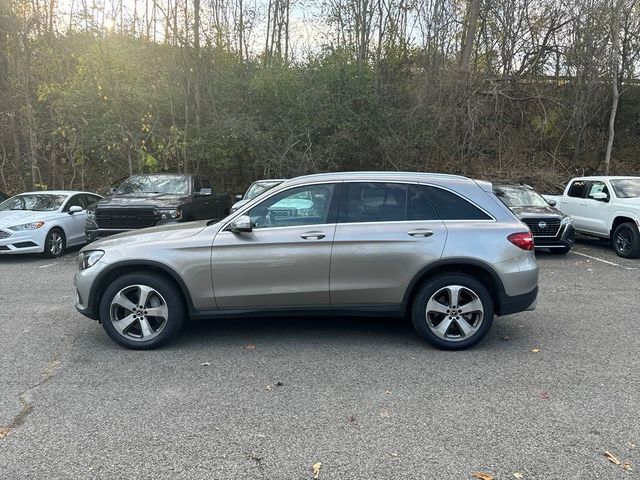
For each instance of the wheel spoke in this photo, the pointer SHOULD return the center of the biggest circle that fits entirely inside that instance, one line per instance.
(161, 312)
(443, 326)
(473, 306)
(435, 306)
(123, 324)
(144, 295)
(465, 327)
(454, 294)
(122, 301)
(145, 328)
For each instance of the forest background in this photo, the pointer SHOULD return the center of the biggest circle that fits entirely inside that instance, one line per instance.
(92, 91)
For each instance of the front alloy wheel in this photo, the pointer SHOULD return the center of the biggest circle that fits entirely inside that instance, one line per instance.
(139, 313)
(626, 240)
(142, 310)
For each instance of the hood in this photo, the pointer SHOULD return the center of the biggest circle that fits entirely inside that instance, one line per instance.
(174, 231)
(635, 201)
(142, 200)
(240, 203)
(524, 212)
(9, 218)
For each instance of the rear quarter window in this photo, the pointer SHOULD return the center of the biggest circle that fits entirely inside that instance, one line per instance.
(453, 207)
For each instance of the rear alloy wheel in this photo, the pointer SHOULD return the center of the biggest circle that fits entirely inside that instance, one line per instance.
(453, 311)
(55, 243)
(142, 310)
(626, 240)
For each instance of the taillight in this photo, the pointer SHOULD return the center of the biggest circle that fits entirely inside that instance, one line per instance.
(522, 240)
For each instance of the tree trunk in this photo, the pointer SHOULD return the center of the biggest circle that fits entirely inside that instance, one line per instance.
(615, 93)
(471, 27)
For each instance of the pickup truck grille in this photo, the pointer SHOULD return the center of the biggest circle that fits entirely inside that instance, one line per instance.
(126, 217)
(543, 227)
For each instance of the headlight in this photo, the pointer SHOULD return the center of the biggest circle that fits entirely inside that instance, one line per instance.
(567, 221)
(26, 226)
(170, 214)
(89, 258)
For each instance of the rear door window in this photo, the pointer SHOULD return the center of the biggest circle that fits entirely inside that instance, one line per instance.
(451, 206)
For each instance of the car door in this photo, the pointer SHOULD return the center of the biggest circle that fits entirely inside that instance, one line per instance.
(284, 260)
(74, 223)
(386, 233)
(573, 203)
(597, 211)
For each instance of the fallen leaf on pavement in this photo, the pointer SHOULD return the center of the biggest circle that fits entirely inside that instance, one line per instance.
(626, 466)
(612, 458)
(4, 432)
(384, 413)
(393, 454)
(518, 475)
(205, 364)
(544, 396)
(535, 350)
(631, 445)
(352, 419)
(249, 346)
(315, 468)
(279, 384)
(268, 387)
(482, 476)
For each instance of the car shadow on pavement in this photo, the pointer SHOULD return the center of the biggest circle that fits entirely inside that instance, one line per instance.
(29, 258)
(297, 329)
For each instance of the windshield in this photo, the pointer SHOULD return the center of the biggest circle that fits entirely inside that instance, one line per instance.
(40, 202)
(168, 184)
(627, 187)
(519, 197)
(257, 188)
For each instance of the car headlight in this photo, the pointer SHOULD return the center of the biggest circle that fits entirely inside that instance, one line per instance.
(170, 213)
(89, 258)
(567, 221)
(26, 226)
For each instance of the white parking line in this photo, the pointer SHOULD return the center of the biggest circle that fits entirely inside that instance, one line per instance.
(596, 258)
(604, 261)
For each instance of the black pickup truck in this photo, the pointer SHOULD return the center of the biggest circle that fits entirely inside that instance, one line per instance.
(155, 199)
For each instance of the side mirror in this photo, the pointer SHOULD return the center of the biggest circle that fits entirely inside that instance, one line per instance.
(75, 209)
(553, 203)
(237, 197)
(600, 196)
(242, 224)
(205, 192)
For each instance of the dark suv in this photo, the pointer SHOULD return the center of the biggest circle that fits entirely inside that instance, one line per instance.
(156, 199)
(551, 228)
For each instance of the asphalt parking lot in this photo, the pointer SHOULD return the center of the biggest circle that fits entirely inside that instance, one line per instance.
(545, 395)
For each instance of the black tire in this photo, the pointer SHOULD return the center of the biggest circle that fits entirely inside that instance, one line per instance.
(166, 293)
(435, 286)
(626, 240)
(55, 243)
(560, 251)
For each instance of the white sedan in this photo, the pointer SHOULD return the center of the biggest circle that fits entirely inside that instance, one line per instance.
(44, 222)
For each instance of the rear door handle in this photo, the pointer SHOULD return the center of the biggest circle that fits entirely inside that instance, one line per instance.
(420, 232)
(313, 235)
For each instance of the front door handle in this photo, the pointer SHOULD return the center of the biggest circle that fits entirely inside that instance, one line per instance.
(420, 232)
(313, 235)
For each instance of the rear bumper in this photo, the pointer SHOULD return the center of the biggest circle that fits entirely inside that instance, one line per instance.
(519, 303)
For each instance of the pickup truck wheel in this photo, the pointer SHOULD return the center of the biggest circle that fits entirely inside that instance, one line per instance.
(452, 311)
(626, 240)
(142, 310)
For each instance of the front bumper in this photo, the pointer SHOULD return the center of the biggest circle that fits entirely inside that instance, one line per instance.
(565, 238)
(26, 241)
(83, 281)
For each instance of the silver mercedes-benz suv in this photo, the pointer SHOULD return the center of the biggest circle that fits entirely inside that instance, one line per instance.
(441, 249)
